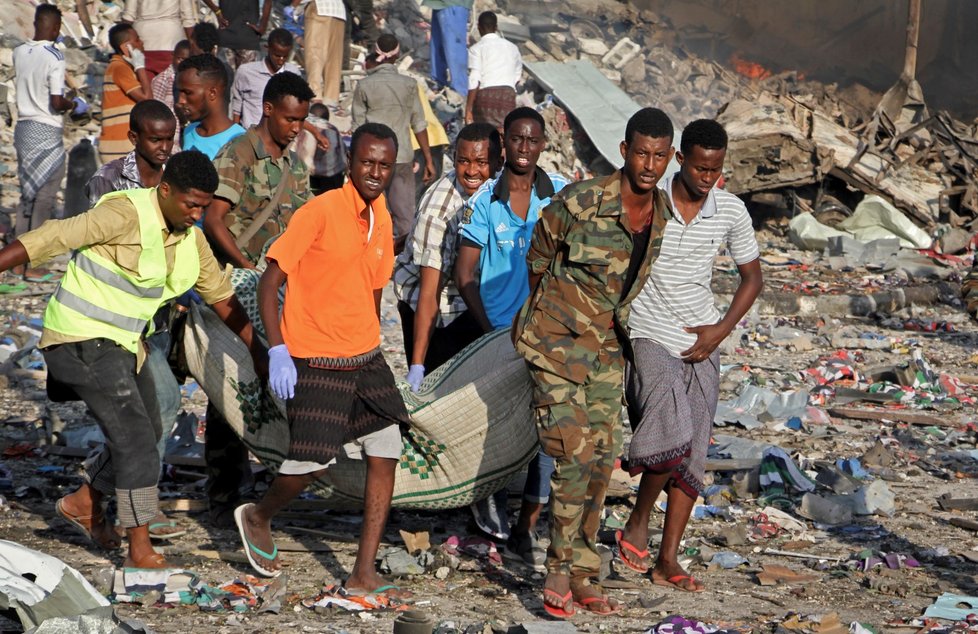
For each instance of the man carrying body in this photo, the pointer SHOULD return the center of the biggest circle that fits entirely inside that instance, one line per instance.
(673, 382)
(151, 129)
(335, 259)
(495, 66)
(388, 97)
(590, 256)
(39, 135)
(256, 171)
(135, 251)
(434, 318)
(126, 83)
(201, 87)
(495, 234)
(250, 80)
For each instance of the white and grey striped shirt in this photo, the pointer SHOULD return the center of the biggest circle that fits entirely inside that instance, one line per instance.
(678, 293)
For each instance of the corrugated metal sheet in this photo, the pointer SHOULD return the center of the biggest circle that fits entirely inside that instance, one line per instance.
(601, 107)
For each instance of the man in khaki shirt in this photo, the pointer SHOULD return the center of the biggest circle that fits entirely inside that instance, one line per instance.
(103, 371)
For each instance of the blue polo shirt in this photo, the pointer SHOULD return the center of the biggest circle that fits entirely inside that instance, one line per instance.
(489, 223)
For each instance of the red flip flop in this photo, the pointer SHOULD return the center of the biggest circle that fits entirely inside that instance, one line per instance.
(587, 602)
(554, 611)
(673, 582)
(624, 545)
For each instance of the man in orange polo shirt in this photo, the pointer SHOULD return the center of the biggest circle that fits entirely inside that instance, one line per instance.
(337, 254)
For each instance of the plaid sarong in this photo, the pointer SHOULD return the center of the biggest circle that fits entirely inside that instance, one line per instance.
(493, 104)
(40, 155)
(671, 405)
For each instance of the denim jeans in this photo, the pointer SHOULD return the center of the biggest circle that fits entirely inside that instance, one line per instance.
(538, 472)
(167, 389)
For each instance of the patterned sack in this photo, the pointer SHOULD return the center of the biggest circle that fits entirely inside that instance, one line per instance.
(471, 428)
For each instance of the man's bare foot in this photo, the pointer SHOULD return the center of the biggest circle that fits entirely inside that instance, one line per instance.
(89, 519)
(372, 583)
(672, 575)
(558, 599)
(258, 542)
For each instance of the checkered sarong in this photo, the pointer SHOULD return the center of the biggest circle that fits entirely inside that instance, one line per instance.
(40, 155)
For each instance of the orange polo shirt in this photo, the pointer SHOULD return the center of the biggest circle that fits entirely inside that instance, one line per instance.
(333, 271)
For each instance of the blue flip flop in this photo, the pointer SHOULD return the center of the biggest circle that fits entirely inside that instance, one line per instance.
(250, 549)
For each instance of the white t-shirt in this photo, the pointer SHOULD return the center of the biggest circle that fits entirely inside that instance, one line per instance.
(40, 70)
(678, 293)
(494, 61)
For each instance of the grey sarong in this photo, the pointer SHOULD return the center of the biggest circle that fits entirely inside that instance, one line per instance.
(40, 155)
(671, 405)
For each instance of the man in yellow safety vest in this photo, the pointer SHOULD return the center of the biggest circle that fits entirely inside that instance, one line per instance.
(136, 250)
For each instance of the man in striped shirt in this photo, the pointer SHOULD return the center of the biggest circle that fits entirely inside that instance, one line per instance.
(672, 383)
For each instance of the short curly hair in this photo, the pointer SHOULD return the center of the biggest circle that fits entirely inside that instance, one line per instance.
(191, 169)
(706, 133)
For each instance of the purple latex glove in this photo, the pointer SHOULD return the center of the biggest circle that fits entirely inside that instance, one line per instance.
(415, 376)
(282, 374)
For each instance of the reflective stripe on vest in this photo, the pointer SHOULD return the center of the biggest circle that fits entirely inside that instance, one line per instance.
(98, 299)
(106, 276)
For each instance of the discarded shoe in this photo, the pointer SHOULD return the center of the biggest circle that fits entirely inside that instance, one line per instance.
(525, 548)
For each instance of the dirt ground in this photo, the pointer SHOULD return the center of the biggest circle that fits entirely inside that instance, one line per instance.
(479, 597)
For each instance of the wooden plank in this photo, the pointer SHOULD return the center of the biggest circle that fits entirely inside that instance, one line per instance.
(732, 464)
(962, 522)
(897, 416)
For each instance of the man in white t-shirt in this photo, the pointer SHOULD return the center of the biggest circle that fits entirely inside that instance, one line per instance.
(38, 137)
(672, 381)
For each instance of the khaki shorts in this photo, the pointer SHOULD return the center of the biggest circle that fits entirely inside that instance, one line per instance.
(385, 443)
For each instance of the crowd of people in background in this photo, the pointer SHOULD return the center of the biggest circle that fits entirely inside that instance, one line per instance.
(604, 283)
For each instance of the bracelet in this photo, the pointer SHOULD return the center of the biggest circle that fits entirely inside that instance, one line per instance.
(218, 12)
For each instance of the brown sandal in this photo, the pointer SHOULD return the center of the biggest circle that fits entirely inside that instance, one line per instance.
(153, 560)
(78, 522)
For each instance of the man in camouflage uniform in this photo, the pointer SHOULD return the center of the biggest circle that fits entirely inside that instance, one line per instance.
(250, 169)
(590, 254)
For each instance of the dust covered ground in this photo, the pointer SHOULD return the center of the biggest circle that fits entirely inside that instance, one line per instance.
(925, 462)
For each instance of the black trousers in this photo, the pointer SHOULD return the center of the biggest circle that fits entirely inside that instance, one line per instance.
(104, 375)
(445, 342)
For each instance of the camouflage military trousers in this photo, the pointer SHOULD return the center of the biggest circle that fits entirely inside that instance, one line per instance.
(580, 427)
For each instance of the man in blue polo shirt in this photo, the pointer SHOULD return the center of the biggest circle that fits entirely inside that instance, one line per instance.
(493, 279)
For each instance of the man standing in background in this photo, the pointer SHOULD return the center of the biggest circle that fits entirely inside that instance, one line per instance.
(388, 97)
(449, 39)
(325, 26)
(38, 136)
(160, 24)
(251, 78)
(126, 84)
(241, 29)
(495, 66)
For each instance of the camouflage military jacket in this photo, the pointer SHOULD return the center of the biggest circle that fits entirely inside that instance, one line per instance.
(582, 246)
(248, 177)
